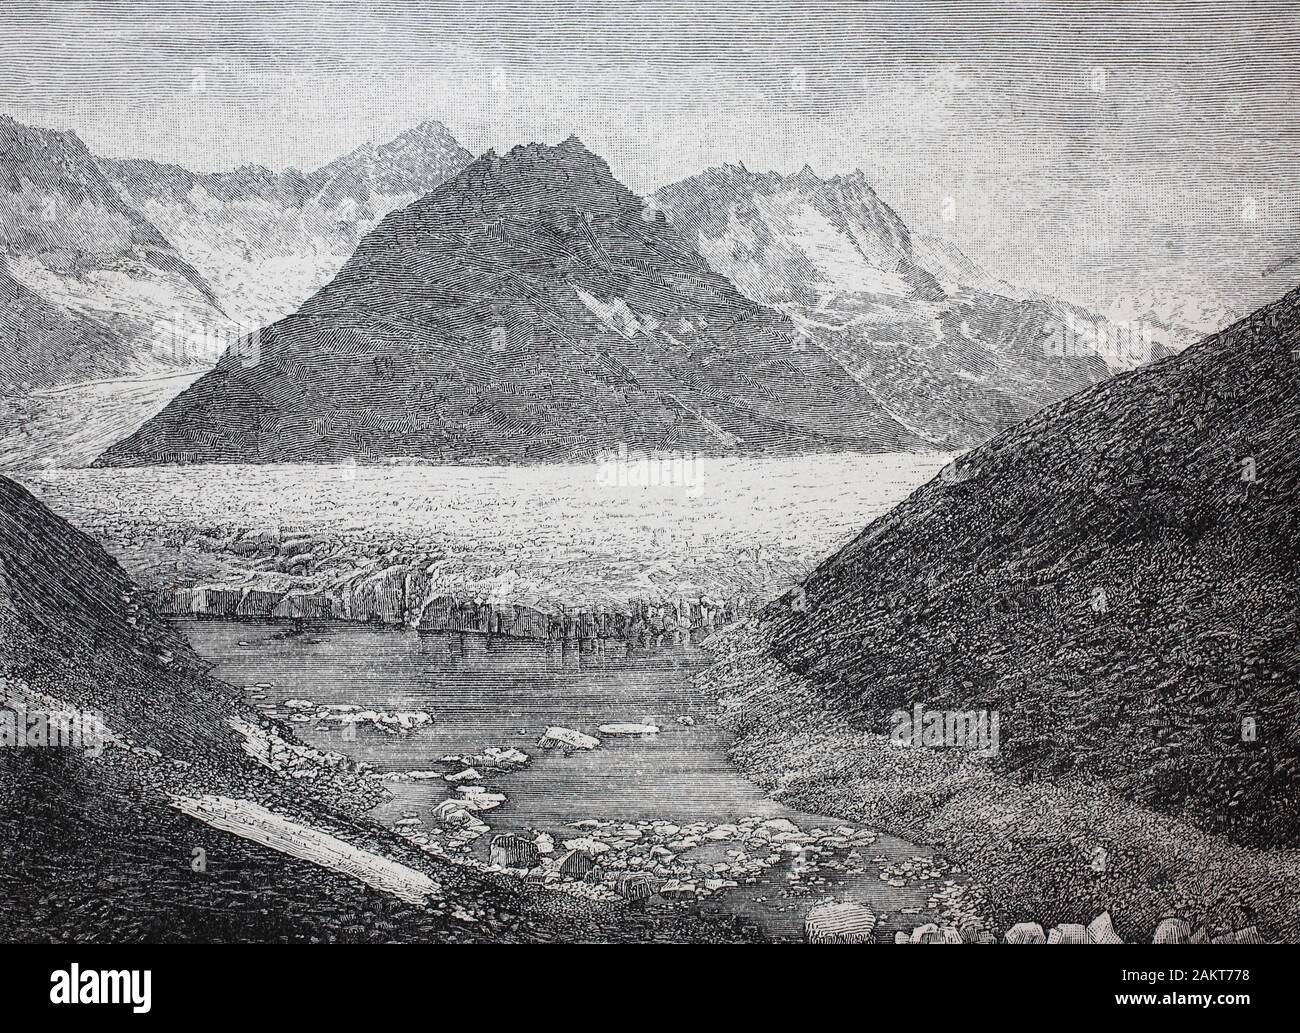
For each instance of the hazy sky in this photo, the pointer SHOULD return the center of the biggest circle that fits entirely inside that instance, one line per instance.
(1100, 152)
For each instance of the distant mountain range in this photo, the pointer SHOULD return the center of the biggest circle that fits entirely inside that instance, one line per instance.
(946, 349)
(267, 240)
(129, 272)
(848, 330)
(530, 309)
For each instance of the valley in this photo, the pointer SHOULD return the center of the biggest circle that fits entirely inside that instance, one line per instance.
(562, 476)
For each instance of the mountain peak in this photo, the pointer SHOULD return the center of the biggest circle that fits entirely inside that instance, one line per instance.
(418, 159)
(21, 137)
(569, 149)
(530, 173)
(430, 130)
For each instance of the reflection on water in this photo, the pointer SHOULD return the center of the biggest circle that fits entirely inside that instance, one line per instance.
(505, 692)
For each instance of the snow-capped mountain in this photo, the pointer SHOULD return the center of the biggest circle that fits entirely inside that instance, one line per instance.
(267, 240)
(89, 287)
(951, 352)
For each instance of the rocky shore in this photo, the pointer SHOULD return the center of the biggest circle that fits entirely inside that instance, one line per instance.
(1054, 854)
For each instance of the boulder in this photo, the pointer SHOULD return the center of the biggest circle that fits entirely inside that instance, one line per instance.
(451, 812)
(575, 864)
(511, 851)
(1173, 930)
(1025, 932)
(476, 798)
(928, 933)
(1068, 932)
(971, 930)
(1102, 930)
(839, 922)
(567, 738)
(634, 887)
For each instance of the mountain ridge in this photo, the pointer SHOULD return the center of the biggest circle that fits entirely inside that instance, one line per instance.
(269, 239)
(951, 352)
(78, 261)
(528, 268)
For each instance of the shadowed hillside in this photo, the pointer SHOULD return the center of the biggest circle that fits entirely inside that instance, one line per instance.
(1116, 576)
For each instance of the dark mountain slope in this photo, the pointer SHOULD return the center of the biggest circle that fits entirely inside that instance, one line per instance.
(1109, 578)
(75, 627)
(530, 309)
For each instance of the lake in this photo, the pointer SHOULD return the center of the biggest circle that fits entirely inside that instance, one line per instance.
(667, 788)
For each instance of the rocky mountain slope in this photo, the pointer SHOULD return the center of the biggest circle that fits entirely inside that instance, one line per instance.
(1116, 577)
(949, 351)
(268, 240)
(530, 309)
(89, 287)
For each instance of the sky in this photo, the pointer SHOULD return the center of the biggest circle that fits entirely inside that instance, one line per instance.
(1122, 156)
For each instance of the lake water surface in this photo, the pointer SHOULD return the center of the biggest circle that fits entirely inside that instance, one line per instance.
(505, 692)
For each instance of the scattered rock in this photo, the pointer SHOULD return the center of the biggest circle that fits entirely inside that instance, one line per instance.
(575, 864)
(1068, 932)
(512, 851)
(634, 887)
(1026, 932)
(1102, 930)
(1173, 930)
(839, 922)
(627, 728)
(567, 738)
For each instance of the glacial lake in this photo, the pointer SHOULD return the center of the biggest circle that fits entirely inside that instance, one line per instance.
(505, 692)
